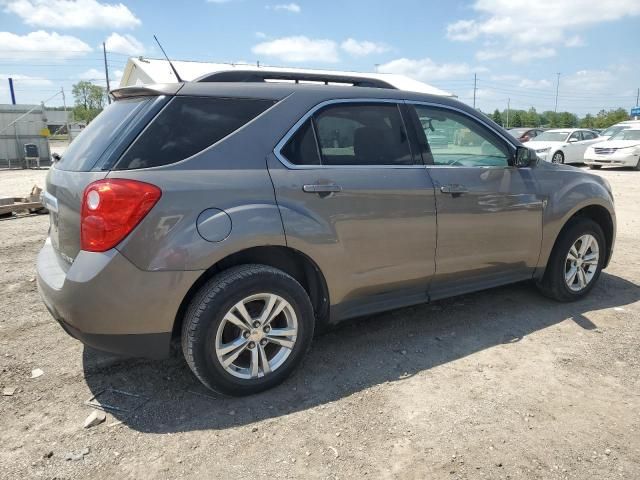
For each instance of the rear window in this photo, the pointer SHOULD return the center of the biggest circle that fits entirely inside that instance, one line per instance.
(85, 151)
(188, 125)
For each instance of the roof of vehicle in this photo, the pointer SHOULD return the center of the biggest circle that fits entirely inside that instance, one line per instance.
(278, 91)
(568, 130)
(153, 71)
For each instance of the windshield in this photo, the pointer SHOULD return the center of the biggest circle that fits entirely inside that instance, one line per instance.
(86, 149)
(627, 135)
(552, 137)
(613, 130)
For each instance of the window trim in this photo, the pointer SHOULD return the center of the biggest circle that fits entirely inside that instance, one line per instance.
(277, 151)
(509, 143)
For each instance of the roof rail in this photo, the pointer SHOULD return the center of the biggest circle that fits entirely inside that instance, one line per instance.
(297, 77)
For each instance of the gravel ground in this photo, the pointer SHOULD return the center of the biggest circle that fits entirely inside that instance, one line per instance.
(498, 384)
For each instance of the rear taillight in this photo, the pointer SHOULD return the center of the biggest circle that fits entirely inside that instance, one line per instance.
(111, 208)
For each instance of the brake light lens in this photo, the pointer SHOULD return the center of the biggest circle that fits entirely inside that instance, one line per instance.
(111, 208)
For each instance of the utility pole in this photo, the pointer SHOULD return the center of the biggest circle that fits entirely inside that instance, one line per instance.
(475, 87)
(106, 71)
(508, 108)
(557, 89)
(66, 115)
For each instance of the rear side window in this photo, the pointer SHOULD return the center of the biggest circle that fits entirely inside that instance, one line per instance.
(362, 134)
(188, 125)
(85, 151)
(302, 149)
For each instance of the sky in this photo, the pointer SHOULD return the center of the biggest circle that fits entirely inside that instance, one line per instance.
(515, 48)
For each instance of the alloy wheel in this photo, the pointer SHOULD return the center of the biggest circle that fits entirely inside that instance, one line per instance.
(581, 263)
(557, 158)
(256, 336)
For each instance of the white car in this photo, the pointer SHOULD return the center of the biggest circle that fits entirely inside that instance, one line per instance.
(563, 145)
(618, 127)
(621, 150)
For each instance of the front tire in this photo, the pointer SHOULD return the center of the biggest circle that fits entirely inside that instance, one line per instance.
(557, 157)
(247, 329)
(595, 167)
(575, 262)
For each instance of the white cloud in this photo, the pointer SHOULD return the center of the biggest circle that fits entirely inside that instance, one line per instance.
(299, 49)
(97, 77)
(575, 41)
(261, 35)
(515, 53)
(362, 48)
(91, 75)
(26, 80)
(588, 81)
(66, 14)
(127, 44)
(41, 45)
(543, 23)
(426, 69)
(286, 7)
(537, 84)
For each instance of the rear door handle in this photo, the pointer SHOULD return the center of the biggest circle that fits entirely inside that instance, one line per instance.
(454, 189)
(318, 188)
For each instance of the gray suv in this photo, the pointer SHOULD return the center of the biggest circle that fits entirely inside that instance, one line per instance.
(242, 216)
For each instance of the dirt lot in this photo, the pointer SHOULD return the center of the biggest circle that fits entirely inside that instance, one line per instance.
(498, 384)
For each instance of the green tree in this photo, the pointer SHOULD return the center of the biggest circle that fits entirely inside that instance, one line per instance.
(532, 119)
(497, 117)
(89, 100)
(588, 121)
(517, 119)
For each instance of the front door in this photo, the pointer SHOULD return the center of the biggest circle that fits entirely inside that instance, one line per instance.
(358, 201)
(489, 213)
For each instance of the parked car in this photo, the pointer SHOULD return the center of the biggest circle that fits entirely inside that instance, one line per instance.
(621, 150)
(525, 134)
(562, 145)
(618, 127)
(245, 237)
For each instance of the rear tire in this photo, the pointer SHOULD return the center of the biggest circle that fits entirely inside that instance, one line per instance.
(557, 282)
(637, 167)
(229, 339)
(595, 167)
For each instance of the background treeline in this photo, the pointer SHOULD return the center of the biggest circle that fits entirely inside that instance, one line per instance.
(548, 119)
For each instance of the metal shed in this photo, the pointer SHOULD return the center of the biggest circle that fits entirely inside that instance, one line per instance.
(31, 129)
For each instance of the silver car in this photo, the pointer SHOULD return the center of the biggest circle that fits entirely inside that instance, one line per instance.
(242, 217)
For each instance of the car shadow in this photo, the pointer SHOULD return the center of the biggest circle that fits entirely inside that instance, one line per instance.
(354, 356)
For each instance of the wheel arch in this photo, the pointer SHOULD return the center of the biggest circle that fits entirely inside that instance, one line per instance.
(599, 214)
(289, 260)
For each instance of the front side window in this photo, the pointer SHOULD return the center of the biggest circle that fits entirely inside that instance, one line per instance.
(188, 125)
(362, 134)
(576, 136)
(457, 140)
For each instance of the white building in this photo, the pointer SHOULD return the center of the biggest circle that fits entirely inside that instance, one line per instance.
(140, 71)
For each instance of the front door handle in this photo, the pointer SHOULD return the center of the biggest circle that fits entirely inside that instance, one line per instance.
(454, 189)
(319, 188)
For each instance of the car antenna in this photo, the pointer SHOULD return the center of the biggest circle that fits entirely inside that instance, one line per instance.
(175, 72)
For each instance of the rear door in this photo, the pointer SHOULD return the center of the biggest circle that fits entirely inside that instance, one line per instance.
(357, 200)
(489, 212)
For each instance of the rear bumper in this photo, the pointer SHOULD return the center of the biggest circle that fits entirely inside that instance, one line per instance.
(106, 302)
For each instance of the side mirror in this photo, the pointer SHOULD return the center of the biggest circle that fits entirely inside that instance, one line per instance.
(573, 140)
(525, 157)
(56, 157)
